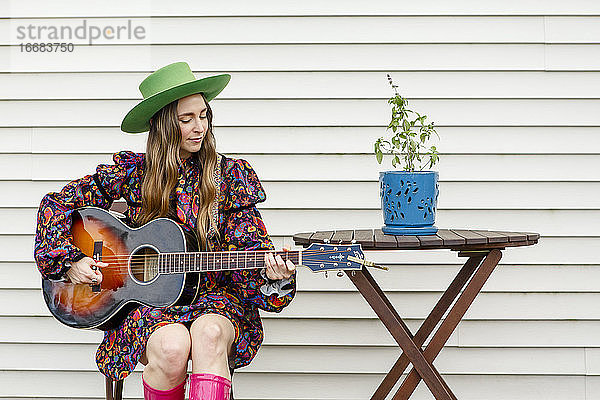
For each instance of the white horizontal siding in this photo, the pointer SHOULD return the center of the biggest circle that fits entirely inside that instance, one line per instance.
(225, 30)
(359, 195)
(115, 8)
(318, 85)
(551, 250)
(339, 112)
(464, 140)
(307, 167)
(513, 88)
(339, 359)
(355, 29)
(20, 221)
(304, 57)
(402, 278)
(415, 305)
(313, 386)
(348, 332)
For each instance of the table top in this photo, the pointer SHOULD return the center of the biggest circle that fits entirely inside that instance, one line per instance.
(453, 239)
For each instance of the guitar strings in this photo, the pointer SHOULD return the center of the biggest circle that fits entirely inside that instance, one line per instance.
(123, 259)
(142, 260)
(213, 254)
(240, 252)
(150, 258)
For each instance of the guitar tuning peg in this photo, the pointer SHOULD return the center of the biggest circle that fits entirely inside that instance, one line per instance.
(340, 274)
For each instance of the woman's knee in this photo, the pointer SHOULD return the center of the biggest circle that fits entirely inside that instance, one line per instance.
(212, 334)
(168, 349)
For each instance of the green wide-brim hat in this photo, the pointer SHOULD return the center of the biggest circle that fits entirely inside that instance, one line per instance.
(166, 85)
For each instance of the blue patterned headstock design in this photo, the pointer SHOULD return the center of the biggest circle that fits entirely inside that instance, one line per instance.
(327, 257)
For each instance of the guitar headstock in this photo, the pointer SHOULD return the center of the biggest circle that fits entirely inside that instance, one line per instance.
(327, 257)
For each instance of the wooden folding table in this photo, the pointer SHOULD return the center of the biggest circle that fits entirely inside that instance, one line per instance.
(483, 250)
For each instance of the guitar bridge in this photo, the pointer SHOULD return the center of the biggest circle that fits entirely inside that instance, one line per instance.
(97, 256)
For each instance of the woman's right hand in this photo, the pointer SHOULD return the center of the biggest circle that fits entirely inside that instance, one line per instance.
(83, 271)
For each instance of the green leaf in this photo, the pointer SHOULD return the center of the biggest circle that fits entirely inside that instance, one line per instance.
(410, 132)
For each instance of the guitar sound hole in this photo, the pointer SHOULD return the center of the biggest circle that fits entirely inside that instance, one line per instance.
(144, 264)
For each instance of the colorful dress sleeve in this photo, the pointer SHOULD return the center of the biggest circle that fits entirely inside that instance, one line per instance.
(244, 229)
(53, 238)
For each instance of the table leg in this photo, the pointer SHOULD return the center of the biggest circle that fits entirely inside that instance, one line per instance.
(451, 321)
(388, 315)
(429, 324)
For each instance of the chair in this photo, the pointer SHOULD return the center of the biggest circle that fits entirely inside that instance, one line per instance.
(115, 392)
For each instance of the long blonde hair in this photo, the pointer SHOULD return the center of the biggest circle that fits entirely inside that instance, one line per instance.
(161, 172)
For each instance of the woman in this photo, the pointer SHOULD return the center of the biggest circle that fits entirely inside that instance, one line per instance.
(181, 176)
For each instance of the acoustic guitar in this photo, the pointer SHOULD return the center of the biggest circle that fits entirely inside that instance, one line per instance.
(149, 266)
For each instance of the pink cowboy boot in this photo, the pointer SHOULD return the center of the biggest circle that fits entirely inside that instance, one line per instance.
(177, 393)
(209, 387)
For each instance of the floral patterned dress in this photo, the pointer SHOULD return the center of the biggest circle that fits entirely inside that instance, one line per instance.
(237, 295)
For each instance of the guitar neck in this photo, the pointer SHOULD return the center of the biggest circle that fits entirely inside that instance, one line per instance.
(171, 263)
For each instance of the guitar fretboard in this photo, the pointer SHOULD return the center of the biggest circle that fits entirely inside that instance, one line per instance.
(167, 263)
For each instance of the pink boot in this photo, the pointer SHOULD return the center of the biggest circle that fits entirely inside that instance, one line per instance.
(209, 387)
(177, 393)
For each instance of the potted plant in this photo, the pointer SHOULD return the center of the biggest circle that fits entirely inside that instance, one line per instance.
(409, 196)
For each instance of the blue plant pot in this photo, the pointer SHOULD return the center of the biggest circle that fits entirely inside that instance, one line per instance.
(408, 202)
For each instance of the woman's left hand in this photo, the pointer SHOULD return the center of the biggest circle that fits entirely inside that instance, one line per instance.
(277, 268)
